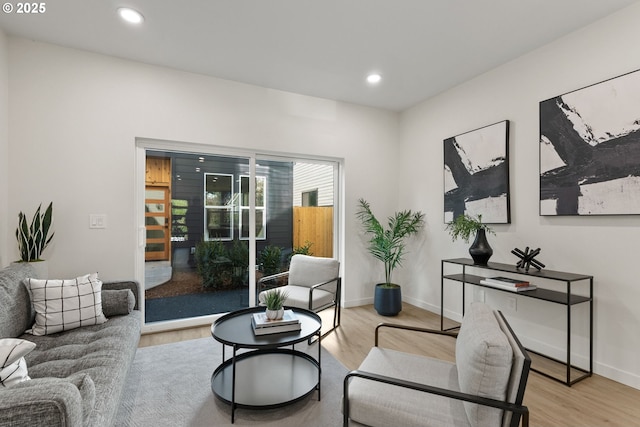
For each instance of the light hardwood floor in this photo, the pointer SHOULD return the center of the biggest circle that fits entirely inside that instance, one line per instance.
(595, 401)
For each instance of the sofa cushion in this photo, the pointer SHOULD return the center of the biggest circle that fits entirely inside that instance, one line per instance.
(378, 404)
(66, 304)
(87, 389)
(298, 296)
(13, 367)
(483, 357)
(15, 305)
(104, 352)
(308, 270)
(117, 302)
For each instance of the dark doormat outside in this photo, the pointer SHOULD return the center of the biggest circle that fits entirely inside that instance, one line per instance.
(194, 305)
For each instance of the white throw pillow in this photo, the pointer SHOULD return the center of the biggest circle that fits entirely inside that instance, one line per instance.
(14, 367)
(61, 305)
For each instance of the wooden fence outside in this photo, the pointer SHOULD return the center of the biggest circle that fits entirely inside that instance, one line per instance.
(315, 225)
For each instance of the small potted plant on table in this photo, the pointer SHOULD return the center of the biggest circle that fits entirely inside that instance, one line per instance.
(274, 300)
(463, 227)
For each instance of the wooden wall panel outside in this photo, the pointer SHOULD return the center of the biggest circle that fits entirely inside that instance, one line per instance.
(315, 225)
(158, 171)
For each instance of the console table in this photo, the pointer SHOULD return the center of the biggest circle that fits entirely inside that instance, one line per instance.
(566, 298)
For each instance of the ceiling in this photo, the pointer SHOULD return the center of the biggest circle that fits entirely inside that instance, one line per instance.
(319, 48)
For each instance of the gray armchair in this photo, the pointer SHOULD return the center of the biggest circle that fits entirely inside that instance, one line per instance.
(312, 283)
(485, 387)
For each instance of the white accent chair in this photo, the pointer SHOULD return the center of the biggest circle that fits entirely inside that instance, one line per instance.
(313, 283)
(485, 387)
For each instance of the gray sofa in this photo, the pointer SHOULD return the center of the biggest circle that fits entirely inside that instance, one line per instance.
(77, 376)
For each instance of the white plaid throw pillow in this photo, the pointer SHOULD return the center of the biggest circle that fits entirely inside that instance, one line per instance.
(13, 368)
(61, 305)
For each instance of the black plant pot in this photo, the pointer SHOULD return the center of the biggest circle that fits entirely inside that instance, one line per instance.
(387, 300)
(480, 250)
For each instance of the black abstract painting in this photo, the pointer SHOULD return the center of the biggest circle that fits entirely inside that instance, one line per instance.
(476, 174)
(590, 150)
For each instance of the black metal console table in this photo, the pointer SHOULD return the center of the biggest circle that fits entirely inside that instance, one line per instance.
(566, 298)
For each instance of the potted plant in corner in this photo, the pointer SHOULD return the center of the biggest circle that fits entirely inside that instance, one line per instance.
(34, 238)
(463, 226)
(274, 300)
(388, 245)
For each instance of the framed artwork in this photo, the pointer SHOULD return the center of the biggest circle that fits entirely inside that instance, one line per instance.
(590, 150)
(476, 174)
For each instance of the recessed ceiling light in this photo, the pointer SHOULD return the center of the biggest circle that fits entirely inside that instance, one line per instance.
(374, 78)
(130, 15)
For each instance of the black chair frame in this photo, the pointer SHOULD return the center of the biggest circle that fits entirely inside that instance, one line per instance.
(263, 285)
(519, 411)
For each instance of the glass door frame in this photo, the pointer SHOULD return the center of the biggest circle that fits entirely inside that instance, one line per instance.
(142, 145)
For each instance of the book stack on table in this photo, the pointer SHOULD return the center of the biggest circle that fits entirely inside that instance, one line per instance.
(508, 284)
(263, 326)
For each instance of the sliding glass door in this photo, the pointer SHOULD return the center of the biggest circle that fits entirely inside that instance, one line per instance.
(231, 220)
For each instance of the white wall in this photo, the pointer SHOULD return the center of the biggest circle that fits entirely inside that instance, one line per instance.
(75, 116)
(4, 150)
(606, 247)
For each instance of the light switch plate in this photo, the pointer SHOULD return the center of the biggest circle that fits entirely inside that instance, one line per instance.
(97, 221)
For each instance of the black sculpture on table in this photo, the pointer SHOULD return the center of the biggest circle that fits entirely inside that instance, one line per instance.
(527, 258)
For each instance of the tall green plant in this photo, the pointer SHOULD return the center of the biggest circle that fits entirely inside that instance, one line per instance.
(34, 238)
(239, 256)
(270, 259)
(213, 263)
(388, 245)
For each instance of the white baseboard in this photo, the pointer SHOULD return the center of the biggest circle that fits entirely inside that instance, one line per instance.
(615, 374)
(627, 378)
(357, 303)
(434, 309)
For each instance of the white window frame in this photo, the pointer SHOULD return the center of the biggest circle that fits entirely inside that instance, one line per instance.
(144, 144)
(242, 208)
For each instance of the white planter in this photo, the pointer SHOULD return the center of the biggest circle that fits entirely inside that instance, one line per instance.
(274, 314)
(41, 268)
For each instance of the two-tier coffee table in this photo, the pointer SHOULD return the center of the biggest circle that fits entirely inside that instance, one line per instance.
(267, 375)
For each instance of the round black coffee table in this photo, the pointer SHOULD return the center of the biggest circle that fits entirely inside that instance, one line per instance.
(268, 375)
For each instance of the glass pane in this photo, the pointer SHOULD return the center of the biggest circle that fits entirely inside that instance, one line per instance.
(179, 225)
(260, 184)
(313, 205)
(155, 234)
(154, 220)
(219, 224)
(154, 194)
(154, 207)
(260, 224)
(218, 189)
(244, 188)
(154, 247)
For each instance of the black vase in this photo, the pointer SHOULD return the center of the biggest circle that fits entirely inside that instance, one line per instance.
(480, 250)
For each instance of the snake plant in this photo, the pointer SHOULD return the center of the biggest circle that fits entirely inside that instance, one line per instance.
(34, 238)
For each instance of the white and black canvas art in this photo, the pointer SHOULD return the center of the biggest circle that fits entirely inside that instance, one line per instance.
(476, 174)
(590, 150)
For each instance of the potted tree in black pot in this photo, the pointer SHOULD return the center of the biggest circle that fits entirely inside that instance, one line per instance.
(463, 227)
(388, 245)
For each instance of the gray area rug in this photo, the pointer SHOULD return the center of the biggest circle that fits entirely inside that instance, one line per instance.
(170, 385)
